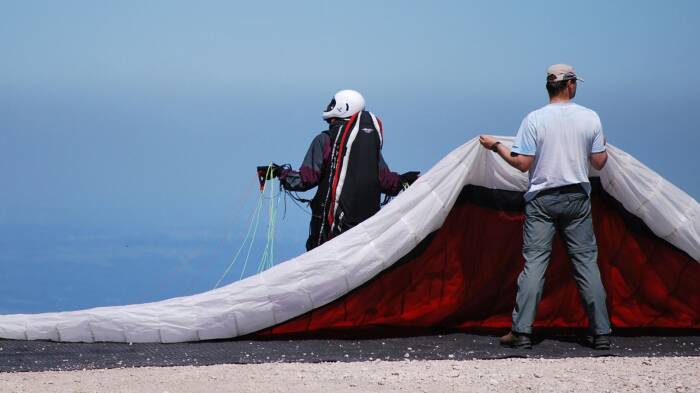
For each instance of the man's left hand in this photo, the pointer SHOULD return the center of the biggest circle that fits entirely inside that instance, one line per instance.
(409, 177)
(487, 141)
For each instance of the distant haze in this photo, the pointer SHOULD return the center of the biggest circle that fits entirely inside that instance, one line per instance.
(130, 131)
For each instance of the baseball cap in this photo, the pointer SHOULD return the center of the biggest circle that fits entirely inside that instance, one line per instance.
(561, 72)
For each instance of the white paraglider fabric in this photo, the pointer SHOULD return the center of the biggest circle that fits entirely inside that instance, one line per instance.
(326, 273)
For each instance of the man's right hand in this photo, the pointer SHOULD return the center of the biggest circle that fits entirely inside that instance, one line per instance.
(487, 141)
(269, 171)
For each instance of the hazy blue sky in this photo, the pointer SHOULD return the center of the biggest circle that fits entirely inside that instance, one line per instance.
(130, 130)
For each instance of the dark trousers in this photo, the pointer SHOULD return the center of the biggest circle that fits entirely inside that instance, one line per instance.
(314, 232)
(316, 238)
(568, 211)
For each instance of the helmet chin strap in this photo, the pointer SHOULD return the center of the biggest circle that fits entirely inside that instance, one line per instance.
(336, 120)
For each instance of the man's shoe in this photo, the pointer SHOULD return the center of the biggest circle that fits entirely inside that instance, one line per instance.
(601, 342)
(516, 340)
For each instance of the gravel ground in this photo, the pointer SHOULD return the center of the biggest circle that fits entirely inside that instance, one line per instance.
(35, 356)
(590, 375)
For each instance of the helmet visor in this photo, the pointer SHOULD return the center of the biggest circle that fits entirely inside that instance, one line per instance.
(331, 105)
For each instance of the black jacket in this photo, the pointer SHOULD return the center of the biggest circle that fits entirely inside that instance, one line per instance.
(346, 164)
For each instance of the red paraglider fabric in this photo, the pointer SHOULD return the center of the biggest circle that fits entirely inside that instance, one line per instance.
(464, 276)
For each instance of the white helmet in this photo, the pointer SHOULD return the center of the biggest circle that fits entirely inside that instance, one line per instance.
(345, 103)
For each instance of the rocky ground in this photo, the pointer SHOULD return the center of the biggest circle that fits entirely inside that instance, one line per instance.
(590, 375)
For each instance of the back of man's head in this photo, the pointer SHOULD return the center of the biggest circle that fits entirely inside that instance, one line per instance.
(555, 88)
(559, 78)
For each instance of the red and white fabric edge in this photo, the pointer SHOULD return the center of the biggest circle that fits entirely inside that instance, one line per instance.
(326, 273)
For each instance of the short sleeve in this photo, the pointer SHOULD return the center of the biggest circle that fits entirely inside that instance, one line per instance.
(526, 140)
(598, 145)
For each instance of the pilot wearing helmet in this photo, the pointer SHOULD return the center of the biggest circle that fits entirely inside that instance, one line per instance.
(346, 164)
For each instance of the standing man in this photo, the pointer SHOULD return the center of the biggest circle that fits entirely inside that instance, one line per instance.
(345, 162)
(556, 143)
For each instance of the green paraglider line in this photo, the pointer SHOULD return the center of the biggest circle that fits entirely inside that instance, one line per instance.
(256, 212)
(253, 225)
(230, 231)
(267, 259)
(257, 221)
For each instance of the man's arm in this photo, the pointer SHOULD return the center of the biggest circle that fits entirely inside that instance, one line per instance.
(599, 154)
(598, 160)
(309, 175)
(389, 182)
(520, 162)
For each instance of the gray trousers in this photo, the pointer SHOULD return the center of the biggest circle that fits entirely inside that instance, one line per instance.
(570, 215)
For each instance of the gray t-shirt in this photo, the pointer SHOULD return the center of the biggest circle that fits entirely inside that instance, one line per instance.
(562, 138)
